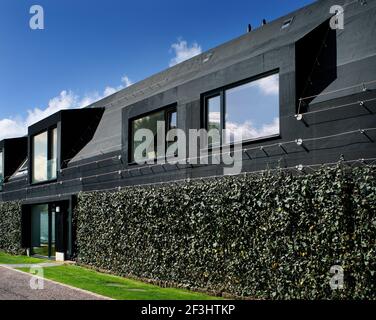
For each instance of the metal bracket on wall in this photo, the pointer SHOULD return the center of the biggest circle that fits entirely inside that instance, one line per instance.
(364, 132)
(300, 117)
(284, 150)
(300, 143)
(263, 150)
(246, 152)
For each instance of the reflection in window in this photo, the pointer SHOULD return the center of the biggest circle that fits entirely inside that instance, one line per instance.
(172, 120)
(40, 157)
(43, 230)
(149, 122)
(169, 116)
(52, 167)
(214, 118)
(44, 162)
(172, 124)
(251, 110)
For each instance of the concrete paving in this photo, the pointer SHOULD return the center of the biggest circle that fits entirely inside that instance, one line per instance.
(15, 285)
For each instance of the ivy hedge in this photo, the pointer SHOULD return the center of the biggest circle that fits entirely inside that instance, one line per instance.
(269, 236)
(10, 227)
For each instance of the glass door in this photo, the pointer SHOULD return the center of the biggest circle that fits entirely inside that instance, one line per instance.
(42, 231)
(52, 235)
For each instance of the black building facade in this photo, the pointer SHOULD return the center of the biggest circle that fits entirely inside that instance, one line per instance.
(318, 107)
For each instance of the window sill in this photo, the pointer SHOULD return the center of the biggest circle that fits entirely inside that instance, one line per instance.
(217, 148)
(43, 182)
(261, 139)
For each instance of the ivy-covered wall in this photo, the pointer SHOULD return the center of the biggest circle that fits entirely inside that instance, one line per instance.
(271, 236)
(10, 227)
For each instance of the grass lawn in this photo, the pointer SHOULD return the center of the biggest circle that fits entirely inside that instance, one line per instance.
(107, 285)
(10, 259)
(116, 287)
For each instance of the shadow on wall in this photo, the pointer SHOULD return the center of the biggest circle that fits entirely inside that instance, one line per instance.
(316, 63)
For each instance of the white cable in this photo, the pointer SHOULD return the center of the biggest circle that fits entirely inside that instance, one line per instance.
(339, 90)
(88, 163)
(203, 179)
(189, 159)
(359, 102)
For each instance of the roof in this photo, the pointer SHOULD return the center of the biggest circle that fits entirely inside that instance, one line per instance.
(108, 136)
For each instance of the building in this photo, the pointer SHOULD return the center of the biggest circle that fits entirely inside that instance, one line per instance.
(314, 84)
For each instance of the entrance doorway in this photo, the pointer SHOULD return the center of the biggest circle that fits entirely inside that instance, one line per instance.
(43, 239)
(47, 229)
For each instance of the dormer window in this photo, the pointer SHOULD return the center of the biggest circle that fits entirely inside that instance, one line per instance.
(56, 140)
(44, 156)
(21, 171)
(287, 23)
(12, 153)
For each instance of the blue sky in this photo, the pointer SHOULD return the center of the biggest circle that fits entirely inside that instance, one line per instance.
(88, 47)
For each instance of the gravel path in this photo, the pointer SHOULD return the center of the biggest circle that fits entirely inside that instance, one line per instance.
(15, 285)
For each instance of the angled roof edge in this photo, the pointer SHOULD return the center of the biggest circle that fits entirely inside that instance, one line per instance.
(108, 137)
(258, 41)
(54, 118)
(20, 172)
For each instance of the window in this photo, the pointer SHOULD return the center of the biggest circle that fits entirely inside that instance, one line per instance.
(21, 171)
(150, 121)
(43, 230)
(287, 23)
(171, 124)
(315, 65)
(44, 161)
(214, 117)
(52, 172)
(172, 120)
(1, 170)
(248, 111)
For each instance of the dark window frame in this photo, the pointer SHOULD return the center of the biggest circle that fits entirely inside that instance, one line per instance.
(221, 92)
(21, 170)
(49, 131)
(167, 111)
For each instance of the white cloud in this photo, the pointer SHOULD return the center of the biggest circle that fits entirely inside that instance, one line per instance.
(65, 100)
(248, 131)
(17, 127)
(215, 117)
(126, 82)
(269, 85)
(109, 91)
(10, 128)
(183, 51)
